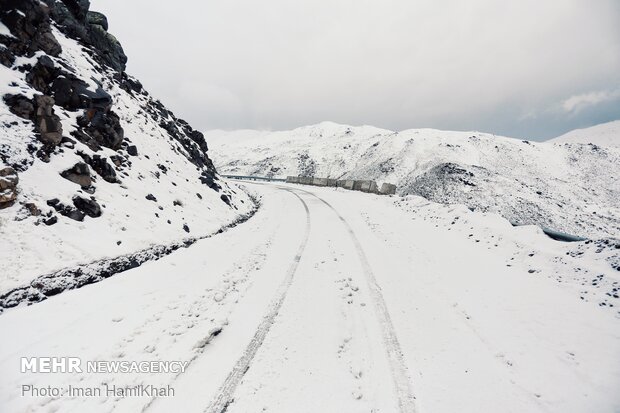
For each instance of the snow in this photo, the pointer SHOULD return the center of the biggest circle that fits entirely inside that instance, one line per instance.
(5, 30)
(325, 300)
(129, 222)
(569, 188)
(477, 328)
(605, 134)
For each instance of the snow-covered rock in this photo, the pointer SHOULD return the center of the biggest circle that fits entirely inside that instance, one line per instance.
(103, 169)
(567, 187)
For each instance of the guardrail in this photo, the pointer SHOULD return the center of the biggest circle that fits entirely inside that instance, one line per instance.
(553, 234)
(561, 236)
(254, 178)
(351, 184)
(371, 187)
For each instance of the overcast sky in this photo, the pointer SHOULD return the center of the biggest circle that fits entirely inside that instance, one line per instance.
(526, 68)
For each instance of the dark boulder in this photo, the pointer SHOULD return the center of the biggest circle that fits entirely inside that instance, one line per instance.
(101, 166)
(78, 8)
(79, 174)
(104, 128)
(66, 210)
(85, 138)
(68, 92)
(99, 100)
(96, 18)
(88, 206)
(46, 122)
(20, 105)
(73, 94)
(72, 213)
(32, 209)
(132, 150)
(42, 74)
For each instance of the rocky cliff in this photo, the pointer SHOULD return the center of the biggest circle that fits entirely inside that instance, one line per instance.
(86, 152)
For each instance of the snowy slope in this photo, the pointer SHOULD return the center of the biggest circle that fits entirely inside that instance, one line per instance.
(605, 134)
(124, 177)
(571, 188)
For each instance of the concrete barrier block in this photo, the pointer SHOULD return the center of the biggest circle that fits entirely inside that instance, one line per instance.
(388, 189)
(357, 185)
(349, 184)
(340, 183)
(368, 186)
(332, 182)
(373, 189)
(291, 179)
(320, 181)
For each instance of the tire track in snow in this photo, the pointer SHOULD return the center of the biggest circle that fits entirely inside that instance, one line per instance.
(402, 383)
(227, 390)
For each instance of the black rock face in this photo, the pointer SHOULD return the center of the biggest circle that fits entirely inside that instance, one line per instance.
(29, 23)
(90, 27)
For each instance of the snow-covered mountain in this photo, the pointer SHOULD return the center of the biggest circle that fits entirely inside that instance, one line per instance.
(568, 187)
(605, 134)
(91, 165)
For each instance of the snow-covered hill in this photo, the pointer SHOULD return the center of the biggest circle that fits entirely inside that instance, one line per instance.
(568, 187)
(91, 166)
(605, 134)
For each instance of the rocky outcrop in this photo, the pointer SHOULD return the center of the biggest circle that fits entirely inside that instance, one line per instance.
(79, 174)
(101, 166)
(20, 106)
(91, 28)
(88, 206)
(29, 24)
(8, 187)
(47, 123)
(81, 99)
(42, 74)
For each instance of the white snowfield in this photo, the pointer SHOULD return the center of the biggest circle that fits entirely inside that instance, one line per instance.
(572, 188)
(605, 134)
(329, 300)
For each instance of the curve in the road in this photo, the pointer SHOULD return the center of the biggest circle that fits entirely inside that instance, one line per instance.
(402, 383)
(226, 391)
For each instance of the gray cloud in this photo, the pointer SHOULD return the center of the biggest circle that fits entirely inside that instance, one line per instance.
(274, 64)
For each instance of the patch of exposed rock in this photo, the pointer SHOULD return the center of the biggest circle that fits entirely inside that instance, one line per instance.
(8, 187)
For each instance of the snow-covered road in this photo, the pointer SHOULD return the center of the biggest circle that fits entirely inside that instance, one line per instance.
(325, 301)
